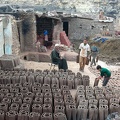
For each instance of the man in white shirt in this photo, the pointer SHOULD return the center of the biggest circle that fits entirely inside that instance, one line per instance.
(84, 50)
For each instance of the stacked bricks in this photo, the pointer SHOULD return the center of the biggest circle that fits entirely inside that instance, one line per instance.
(28, 77)
(96, 103)
(34, 98)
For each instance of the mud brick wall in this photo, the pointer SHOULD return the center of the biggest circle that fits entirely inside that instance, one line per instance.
(15, 37)
(29, 32)
(79, 28)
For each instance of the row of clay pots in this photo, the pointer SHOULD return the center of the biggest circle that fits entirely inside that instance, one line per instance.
(38, 102)
(46, 77)
(24, 115)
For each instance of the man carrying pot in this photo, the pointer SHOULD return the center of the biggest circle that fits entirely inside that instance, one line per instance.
(84, 50)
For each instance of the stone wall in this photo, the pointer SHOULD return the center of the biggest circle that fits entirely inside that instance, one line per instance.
(29, 32)
(15, 39)
(80, 28)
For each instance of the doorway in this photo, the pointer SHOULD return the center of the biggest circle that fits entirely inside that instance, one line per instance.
(42, 24)
(65, 27)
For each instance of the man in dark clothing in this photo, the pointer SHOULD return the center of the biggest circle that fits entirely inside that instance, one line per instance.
(94, 53)
(56, 58)
(104, 73)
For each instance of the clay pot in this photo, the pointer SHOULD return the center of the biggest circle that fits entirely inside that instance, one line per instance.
(103, 112)
(2, 115)
(39, 79)
(55, 81)
(55, 86)
(23, 115)
(14, 107)
(45, 86)
(11, 115)
(93, 112)
(70, 83)
(48, 101)
(28, 85)
(25, 107)
(83, 102)
(30, 79)
(24, 90)
(93, 102)
(37, 108)
(56, 91)
(82, 112)
(4, 91)
(69, 102)
(23, 79)
(100, 96)
(9, 86)
(17, 100)
(47, 80)
(36, 89)
(114, 107)
(38, 100)
(4, 107)
(48, 95)
(114, 100)
(47, 108)
(1, 96)
(59, 108)
(39, 94)
(7, 101)
(62, 81)
(34, 116)
(58, 102)
(17, 85)
(71, 112)
(46, 116)
(14, 90)
(30, 95)
(19, 95)
(15, 79)
(60, 116)
(27, 100)
(57, 95)
(103, 102)
(46, 91)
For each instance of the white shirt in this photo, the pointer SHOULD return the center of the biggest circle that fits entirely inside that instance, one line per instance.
(84, 49)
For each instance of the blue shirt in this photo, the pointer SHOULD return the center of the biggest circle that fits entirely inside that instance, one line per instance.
(94, 49)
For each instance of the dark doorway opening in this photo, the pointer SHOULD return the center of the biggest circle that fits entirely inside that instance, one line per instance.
(65, 27)
(44, 23)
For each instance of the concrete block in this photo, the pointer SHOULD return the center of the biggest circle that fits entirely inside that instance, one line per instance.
(7, 64)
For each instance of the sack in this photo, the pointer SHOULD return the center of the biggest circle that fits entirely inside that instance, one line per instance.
(87, 61)
(96, 82)
(77, 58)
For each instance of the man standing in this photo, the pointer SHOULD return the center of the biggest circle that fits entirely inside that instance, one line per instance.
(94, 53)
(57, 59)
(84, 49)
(104, 73)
